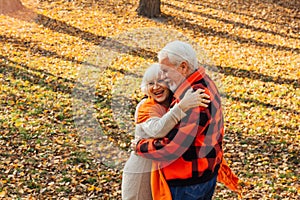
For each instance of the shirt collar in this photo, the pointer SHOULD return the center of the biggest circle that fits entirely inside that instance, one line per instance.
(187, 83)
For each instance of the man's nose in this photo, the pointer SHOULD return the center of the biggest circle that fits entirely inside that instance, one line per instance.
(164, 75)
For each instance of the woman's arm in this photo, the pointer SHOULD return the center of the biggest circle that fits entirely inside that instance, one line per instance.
(157, 127)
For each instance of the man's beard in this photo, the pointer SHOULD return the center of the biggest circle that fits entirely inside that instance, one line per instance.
(172, 85)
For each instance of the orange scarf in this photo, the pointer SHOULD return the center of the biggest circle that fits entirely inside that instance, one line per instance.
(150, 108)
(228, 178)
(159, 185)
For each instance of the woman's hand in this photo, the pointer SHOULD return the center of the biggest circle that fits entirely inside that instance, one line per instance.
(193, 99)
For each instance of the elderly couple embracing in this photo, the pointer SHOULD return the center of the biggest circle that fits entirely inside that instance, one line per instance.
(179, 132)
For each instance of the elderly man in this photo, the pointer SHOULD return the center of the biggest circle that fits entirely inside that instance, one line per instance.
(191, 154)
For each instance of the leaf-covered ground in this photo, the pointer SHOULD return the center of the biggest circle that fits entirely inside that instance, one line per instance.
(69, 79)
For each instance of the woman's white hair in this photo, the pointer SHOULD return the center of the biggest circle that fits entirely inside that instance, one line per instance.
(152, 73)
(178, 52)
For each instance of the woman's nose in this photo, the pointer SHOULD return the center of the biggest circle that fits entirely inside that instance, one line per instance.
(156, 85)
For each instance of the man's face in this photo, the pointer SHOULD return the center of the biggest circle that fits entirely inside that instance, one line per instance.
(171, 73)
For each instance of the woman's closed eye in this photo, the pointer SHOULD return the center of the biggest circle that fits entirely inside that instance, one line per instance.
(151, 83)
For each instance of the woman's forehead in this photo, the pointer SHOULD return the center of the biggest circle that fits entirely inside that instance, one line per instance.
(155, 77)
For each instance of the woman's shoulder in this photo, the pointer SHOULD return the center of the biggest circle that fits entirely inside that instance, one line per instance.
(148, 108)
(141, 103)
(138, 107)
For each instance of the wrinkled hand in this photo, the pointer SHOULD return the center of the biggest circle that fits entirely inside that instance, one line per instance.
(193, 99)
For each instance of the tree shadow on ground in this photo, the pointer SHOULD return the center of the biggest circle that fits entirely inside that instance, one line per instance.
(101, 41)
(59, 26)
(22, 44)
(270, 146)
(234, 23)
(247, 9)
(198, 29)
(290, 4)
(242, 73)
(22, 72)
(266, 105)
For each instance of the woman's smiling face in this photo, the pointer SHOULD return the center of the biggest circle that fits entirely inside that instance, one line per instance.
(158, 90)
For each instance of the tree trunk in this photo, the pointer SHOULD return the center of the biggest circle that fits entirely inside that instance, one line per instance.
(149, 8)
(7, 6)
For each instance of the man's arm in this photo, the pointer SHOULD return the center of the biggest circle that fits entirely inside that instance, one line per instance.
(177, 141)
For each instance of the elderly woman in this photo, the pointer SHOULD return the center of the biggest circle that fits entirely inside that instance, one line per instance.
(153, 120)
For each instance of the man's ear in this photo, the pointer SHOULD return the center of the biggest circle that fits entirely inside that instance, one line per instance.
(184, 67)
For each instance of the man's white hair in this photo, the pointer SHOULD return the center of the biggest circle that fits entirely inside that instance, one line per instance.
(178, 52)
(152, 73)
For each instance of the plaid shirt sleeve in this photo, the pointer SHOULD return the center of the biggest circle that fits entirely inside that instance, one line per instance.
(176, 142)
